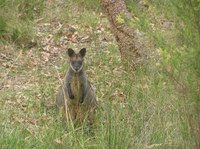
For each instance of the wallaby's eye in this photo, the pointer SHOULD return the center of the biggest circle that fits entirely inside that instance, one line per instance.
(80, 62)
(73, 62)
(76, 63)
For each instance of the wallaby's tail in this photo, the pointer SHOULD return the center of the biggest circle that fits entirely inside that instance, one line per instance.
(60, 97)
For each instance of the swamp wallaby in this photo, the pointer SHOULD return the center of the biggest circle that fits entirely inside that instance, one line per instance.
(76, 92)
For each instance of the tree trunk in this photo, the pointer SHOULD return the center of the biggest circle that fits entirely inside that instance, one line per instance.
(126, 36)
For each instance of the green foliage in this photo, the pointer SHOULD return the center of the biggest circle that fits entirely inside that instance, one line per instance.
(180, 57)
(186, 18)
(120, 19)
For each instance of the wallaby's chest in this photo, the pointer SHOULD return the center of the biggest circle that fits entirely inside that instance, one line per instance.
(76, 86)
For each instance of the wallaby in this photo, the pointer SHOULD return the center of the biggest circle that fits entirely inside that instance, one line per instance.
(76, 92)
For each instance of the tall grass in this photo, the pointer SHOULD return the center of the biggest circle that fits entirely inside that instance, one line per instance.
(179, 49)
(16, 20)
(142, 110)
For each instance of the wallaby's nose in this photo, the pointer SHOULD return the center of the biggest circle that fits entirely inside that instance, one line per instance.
(76, 68)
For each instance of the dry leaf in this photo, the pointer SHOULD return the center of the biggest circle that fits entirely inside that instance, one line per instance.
(153, 145)
(20, 120)
(45, 56)
(58, 141)
(119, 96)
(30, 130)
(85, 39)
(10, 102)
(33, 121)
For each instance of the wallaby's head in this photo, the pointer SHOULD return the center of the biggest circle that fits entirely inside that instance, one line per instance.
(76, 59)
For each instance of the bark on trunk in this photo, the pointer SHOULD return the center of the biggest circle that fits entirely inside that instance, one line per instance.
(127, 37)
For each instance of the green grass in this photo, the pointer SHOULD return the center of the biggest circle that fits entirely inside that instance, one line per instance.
(89, 4)
(16, 20)
(135, 110)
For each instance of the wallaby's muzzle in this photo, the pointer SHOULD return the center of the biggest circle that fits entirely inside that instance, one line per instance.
(76, 67)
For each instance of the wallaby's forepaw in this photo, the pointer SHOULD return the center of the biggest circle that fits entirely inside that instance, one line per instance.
(71, 96)
(81, 100)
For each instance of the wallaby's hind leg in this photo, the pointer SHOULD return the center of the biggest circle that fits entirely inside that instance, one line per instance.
(91, 116)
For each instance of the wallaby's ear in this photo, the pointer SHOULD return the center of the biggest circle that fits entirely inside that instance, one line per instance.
(70, 52)
(82, 52)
